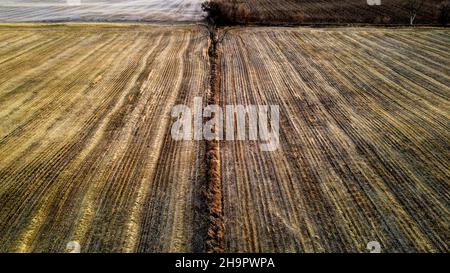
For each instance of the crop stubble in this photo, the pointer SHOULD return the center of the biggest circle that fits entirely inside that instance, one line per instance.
(364, 140)
(85, 147)
(86, 152)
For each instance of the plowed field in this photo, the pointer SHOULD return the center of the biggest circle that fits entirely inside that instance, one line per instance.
(87, 155)
(86, 152)
(101, 10)
(341, 11)
(364, 135)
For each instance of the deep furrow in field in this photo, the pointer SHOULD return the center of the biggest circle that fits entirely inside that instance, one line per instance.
(214, 237)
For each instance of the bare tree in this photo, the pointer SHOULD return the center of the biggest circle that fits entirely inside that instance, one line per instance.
(413, 7)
